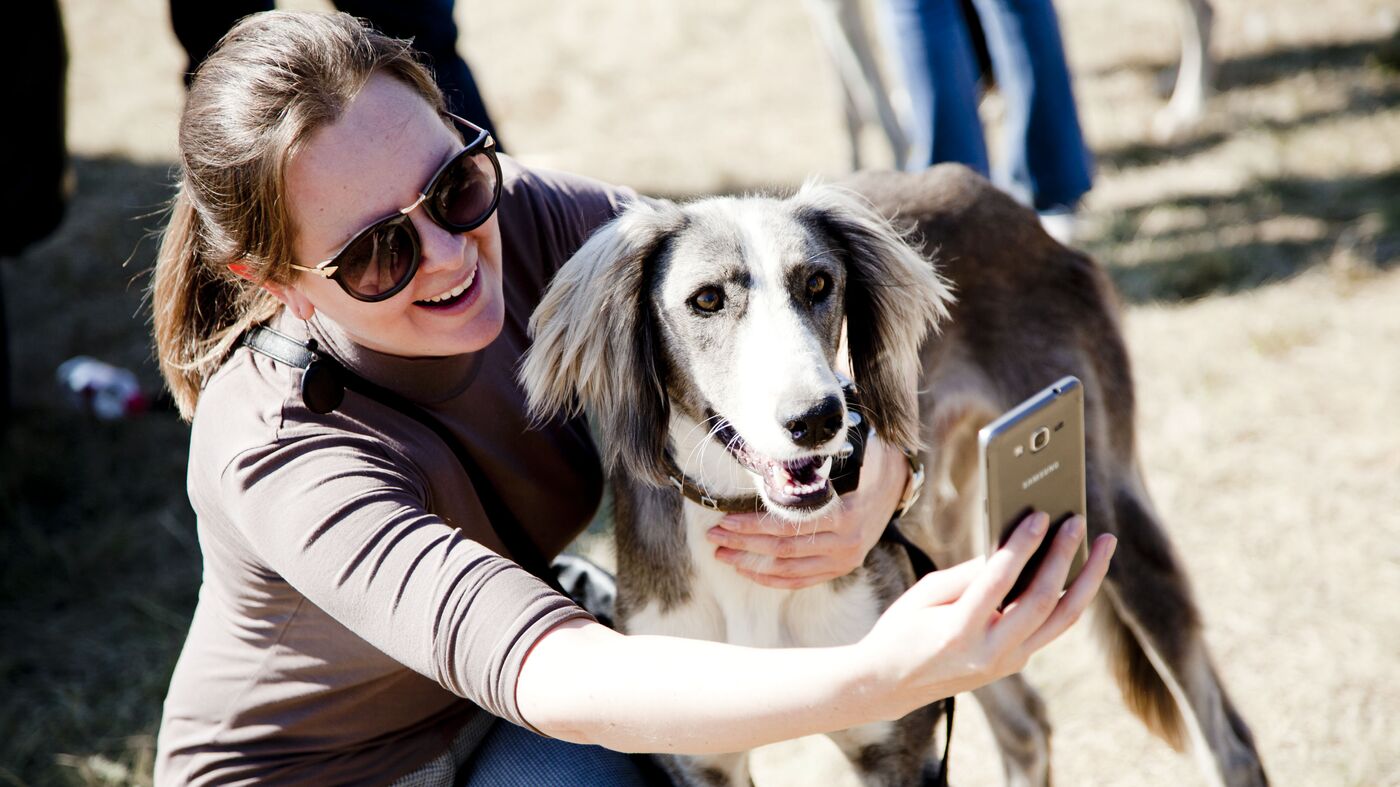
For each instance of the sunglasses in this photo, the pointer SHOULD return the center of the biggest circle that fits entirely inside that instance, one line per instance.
(381, 259)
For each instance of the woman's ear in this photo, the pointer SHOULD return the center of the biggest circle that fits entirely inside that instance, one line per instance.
(289, 294)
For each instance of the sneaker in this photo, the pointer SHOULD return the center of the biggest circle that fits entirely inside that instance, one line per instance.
(1059, 223)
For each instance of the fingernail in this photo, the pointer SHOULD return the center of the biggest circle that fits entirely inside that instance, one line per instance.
(1074, 528)
(715, 534)
(1112, 545)
(1039, 523)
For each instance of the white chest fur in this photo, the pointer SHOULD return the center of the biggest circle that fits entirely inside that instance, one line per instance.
(725, 606)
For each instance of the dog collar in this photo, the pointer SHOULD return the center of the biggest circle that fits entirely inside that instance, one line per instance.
(695, 493)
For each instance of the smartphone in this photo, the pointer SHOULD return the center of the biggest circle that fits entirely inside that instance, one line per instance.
(1032, 459)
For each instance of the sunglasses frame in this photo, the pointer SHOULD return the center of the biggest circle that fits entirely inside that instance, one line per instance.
(482, 143)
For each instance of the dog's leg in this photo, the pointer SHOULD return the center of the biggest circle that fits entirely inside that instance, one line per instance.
(1153, 633)
(893, 754)
(1194, 75)
(1017, 717)
(708, 770)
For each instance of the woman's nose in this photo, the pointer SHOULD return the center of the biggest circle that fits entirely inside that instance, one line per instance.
(442, 250)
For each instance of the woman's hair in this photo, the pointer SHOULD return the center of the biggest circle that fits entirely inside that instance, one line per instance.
(271, 82)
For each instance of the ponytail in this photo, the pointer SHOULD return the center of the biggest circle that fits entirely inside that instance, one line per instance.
(199, 306)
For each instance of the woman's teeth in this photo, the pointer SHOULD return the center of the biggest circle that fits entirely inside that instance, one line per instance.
(454, 292)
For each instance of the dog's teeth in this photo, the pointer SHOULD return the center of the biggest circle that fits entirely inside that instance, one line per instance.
(824, 471)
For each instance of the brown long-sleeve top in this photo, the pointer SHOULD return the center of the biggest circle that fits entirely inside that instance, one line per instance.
(356, 609)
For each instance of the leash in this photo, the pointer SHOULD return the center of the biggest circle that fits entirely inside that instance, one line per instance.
(923, 566)
(324, 381)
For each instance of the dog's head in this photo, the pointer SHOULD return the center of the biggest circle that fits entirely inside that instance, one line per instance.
(724, 317)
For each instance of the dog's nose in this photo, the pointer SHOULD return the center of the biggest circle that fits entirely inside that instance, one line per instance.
(817, 425)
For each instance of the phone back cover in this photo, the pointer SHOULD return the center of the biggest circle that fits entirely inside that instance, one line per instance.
(1049, 480)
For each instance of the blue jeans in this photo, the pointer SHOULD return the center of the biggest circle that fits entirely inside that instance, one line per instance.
(1046, 163)
(512, 756)
(199, 24)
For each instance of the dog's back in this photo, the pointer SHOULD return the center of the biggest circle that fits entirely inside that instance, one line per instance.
(1029, 311)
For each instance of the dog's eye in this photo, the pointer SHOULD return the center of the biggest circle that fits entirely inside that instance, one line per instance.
(818, 287)
(710, 299)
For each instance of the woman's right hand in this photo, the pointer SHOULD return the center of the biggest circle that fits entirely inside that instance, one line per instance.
(945, 634)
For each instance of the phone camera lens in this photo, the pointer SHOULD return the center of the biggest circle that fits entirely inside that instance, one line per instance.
(1040, 438)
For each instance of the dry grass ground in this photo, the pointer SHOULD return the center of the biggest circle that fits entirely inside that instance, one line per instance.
(1257, 258)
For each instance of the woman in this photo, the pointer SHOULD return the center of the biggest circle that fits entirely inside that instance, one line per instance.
(358, 621)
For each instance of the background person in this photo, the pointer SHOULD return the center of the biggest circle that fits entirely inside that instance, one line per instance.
(199, 24)
(1045, 163)
(358, 621)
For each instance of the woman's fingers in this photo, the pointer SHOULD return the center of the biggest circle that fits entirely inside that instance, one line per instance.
(769, 525)
(984, 595)
(942, 587)
(784, 546)
(1076, 599)
(1035, 604)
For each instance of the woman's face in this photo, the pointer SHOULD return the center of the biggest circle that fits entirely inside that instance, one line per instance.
(370, 163)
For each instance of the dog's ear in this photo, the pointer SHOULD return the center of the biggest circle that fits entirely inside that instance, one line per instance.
(894, 297)
(595, 346)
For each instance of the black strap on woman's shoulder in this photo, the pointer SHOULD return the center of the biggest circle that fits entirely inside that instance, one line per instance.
(323, 385)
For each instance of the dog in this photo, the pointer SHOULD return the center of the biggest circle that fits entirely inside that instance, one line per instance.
(867, 102)
(704, 341)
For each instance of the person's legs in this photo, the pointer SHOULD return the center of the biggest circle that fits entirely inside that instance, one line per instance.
(935, 55)
(1047, 164)
(512, 756)
(434, 32)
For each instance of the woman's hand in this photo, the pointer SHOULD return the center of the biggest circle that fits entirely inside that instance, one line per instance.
(945, 634)
(779, 554)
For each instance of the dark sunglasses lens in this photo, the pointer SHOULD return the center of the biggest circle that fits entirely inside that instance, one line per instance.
(466, 192)
(379, 260)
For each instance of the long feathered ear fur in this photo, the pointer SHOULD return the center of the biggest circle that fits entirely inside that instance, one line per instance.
(595, 348)
(894, 298)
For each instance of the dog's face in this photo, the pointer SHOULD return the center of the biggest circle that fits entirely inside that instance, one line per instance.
(713, 329)
(748, 304)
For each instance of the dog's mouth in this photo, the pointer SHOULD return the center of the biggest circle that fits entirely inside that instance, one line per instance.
(799, 484)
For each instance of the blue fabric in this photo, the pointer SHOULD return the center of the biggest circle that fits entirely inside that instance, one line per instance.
(512, 756)
(1045, 162)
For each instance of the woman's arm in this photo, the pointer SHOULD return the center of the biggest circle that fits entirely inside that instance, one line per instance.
(582, 682)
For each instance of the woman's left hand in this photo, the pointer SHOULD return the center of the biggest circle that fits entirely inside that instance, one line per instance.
(780, 554)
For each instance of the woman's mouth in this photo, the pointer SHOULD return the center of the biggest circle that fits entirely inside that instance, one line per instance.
(453, 297)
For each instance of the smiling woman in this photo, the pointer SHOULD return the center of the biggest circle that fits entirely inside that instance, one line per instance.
(362, 619)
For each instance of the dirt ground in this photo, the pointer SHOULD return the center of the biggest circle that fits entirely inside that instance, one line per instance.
(1257, 258)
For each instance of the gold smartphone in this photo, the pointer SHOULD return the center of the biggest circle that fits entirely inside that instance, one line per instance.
(1032, 459)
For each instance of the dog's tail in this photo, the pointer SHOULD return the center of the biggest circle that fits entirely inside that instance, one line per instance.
(1146, 619)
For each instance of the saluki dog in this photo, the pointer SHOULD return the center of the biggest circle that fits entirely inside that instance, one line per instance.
(868, 102)
(703, 339)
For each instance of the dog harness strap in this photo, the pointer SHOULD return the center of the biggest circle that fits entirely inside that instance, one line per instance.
(328, 373)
